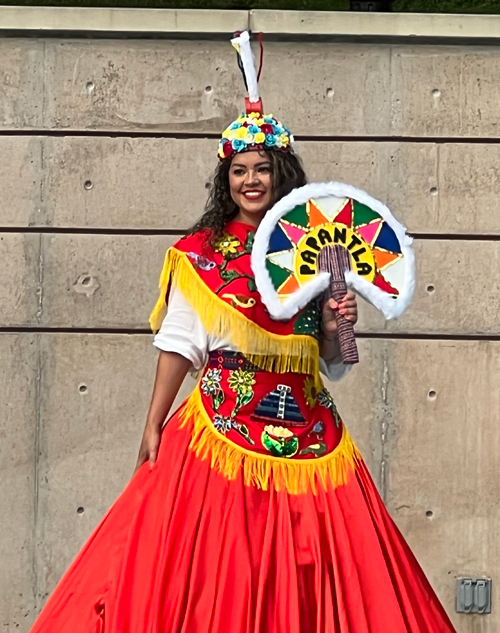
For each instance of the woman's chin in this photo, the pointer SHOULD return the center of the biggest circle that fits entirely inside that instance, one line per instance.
(255, 209)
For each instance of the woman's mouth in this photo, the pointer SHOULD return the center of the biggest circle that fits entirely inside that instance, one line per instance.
(253, 195)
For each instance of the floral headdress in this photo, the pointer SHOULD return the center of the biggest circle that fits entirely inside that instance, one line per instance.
(253, 129)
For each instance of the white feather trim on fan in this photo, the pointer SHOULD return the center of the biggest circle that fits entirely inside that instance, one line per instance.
(283, 310)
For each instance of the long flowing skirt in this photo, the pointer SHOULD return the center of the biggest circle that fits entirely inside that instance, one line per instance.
(184, 549)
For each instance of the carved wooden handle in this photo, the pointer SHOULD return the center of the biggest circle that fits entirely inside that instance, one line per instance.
(335, 259)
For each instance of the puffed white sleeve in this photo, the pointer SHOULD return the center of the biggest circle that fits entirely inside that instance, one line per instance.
(334, 370)
(182, 331)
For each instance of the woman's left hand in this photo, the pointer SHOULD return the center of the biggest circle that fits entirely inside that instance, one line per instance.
(348, 307)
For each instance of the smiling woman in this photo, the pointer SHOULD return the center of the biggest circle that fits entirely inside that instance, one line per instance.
(251, 509)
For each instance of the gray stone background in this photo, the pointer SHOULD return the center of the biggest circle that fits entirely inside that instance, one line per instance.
(106, 146)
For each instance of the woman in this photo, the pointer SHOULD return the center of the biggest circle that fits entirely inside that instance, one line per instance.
(251, 510)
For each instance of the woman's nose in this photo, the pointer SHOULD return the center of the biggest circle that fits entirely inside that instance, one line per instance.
(251, 177)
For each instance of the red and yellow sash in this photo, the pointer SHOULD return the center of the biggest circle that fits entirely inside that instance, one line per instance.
(219, 285)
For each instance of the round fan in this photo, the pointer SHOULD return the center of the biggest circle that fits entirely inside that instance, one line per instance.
(299, 226)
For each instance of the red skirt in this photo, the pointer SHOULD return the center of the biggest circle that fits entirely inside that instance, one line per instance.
(185, 549)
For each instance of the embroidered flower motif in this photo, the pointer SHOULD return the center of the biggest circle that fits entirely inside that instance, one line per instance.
(310, 392)
(227, 244)
(222, 423)
(210, 383)
(241, 381)
(325, 399)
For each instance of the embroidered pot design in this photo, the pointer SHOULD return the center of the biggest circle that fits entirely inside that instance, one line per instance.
(279, 441)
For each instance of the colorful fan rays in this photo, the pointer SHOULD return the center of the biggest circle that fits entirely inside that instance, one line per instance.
(302, 232)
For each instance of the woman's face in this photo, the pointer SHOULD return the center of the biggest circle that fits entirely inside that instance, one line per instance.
(250, 184)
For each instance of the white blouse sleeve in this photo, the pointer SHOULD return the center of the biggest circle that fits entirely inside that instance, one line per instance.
(334, 370)
(182, 331)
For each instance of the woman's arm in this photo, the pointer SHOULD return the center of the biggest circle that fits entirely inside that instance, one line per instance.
(170, 372)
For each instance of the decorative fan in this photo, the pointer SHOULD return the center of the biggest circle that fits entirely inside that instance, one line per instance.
(299, 226)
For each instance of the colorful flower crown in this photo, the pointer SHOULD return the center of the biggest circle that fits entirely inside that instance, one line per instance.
(254, 131)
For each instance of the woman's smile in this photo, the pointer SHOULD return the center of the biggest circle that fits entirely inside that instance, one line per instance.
(251, 186)
(253, 194)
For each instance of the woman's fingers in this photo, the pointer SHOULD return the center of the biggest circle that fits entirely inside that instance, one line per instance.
(348, 307)
(142, 459)
(148, 451)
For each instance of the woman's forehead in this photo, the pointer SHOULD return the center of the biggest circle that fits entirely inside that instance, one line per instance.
(250, 159)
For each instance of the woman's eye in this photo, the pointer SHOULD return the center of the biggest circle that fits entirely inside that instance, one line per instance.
(265, 170)
(238, 172)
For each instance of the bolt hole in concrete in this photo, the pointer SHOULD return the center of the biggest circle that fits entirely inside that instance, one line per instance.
(86, 285)
(80, 510)
(436, 92)
(430, 289)
(330, 92)
(207, 185)
(208, 89)
(82, 388)
(89, 86)
(432, 395)
(88, 184)
(429, 514)
(433, 191)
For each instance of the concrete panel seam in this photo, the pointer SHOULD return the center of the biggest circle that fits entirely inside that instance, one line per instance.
(40, 289)
(36, 482)
(384, 425)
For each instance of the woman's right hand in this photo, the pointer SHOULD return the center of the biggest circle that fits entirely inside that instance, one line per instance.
(170, 372)
(150, 444)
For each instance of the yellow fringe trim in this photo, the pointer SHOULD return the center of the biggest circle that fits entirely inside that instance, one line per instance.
(271, 352)
(296, 476)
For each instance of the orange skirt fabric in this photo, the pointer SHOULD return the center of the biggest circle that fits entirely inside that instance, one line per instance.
(186, 549)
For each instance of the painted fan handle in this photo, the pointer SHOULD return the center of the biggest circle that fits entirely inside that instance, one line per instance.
(336, 260)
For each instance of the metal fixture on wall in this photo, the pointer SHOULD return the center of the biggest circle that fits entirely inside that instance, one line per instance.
(473, 595)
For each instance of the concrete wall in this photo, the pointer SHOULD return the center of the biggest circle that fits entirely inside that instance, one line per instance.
(106, 145)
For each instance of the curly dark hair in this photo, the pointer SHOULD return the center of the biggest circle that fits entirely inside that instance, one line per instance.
(287, 173)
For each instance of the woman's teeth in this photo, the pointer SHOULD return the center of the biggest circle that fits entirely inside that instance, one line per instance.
(253, 195)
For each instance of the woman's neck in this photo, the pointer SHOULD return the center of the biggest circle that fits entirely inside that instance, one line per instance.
(251, 219)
